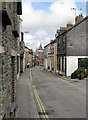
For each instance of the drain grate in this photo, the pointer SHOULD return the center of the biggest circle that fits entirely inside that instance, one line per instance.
(43, 113)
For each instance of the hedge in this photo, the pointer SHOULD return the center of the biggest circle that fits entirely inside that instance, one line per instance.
(79, 72)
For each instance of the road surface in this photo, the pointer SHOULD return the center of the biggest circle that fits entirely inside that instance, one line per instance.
(58, 98)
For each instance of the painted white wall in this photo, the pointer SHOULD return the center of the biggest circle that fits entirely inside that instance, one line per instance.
(72, 64)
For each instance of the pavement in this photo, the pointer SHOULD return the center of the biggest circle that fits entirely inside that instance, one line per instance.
(63, 77)
(25, 99)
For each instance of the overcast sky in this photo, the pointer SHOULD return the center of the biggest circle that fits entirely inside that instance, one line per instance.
(42, 19)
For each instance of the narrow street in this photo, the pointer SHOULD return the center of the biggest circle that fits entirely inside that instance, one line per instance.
(43, 59)
(52, 97)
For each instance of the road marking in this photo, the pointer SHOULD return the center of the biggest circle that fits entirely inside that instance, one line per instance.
(42, 109)
(40, 103)
(33, 102)
(30, 74)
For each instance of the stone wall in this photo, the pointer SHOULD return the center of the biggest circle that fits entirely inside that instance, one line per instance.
(8, 60)
(76, 40)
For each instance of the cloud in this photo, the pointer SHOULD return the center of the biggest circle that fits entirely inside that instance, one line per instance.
(45, 23)
(52, 0)
(33, 42)
(40, 34)
(59, 13)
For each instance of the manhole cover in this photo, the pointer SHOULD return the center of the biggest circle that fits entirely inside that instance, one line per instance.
(43, 113)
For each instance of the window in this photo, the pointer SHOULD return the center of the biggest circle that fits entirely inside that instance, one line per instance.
(83, 63)
(59, 63)
(59, 45)
(64, 42)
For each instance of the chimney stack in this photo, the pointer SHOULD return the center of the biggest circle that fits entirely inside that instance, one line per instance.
(69, 25)
(51, 41)
(78, 18)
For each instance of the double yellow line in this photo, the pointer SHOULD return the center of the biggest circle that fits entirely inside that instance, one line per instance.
(42, 109)
(30, 74)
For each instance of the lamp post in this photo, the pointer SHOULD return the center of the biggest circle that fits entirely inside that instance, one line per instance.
(26, 32)
(75, 10)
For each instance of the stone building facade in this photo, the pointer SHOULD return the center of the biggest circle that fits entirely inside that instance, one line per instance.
(28, 57)
(9, 48)
(39, 56)
(50, 56)
(71, 46)
(22, 54)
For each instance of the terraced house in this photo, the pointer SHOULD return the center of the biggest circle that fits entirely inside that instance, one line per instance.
(72, 48)
(9, 56)
(28, 56)
(50, 56)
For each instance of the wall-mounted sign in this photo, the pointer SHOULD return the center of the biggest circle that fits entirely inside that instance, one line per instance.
(83, 63)
(26, 50)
